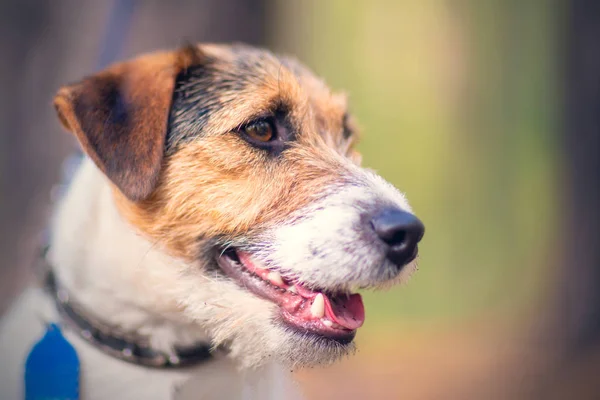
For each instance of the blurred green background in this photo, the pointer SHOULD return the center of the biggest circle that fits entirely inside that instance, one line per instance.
(458, 106)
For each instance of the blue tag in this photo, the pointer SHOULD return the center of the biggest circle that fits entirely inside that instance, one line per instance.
(52, 368)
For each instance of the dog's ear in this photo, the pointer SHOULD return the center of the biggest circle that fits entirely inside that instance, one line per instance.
(120, 117)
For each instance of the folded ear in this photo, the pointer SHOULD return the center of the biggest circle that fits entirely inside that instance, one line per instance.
(120, 117)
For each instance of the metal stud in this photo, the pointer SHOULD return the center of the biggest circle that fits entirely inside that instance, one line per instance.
(62, 296)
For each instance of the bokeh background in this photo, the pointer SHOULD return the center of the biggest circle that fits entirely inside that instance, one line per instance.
(485, 113)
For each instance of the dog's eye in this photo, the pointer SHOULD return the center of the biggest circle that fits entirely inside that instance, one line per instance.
(346, 127)
(262, 130)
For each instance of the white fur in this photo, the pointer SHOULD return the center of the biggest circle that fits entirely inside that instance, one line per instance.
(129, 282)
(329, 243)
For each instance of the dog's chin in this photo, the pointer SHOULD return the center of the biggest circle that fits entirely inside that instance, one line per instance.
(306, 326)
(254, 346)
(303, 349)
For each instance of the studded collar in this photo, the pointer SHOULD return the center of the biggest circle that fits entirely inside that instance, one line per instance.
(129, 347)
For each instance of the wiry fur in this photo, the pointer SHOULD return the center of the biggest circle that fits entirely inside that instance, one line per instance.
(144, 260)
(303, 212)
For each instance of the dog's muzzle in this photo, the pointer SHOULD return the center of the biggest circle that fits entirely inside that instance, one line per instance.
(360, 235)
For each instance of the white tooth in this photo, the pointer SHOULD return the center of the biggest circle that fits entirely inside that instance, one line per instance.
(292, 289)
(258, 265)
(318, 306)
(275, 278)
(327, 323)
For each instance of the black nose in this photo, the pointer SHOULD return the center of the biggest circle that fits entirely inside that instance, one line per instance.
(401, 231)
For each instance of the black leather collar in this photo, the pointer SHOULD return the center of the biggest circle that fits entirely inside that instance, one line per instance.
(128, 347)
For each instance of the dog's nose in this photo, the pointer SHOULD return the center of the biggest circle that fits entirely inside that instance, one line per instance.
(401, 231)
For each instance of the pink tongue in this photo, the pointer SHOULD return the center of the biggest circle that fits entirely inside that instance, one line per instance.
(347, 311)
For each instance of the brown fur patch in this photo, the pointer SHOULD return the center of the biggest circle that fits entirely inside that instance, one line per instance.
(120, 117)
(216, 185)
(332, 119)
(220, 187)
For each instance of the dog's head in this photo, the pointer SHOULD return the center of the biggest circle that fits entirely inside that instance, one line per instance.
(241, 164)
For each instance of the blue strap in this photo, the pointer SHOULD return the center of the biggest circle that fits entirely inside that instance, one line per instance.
(119, 22)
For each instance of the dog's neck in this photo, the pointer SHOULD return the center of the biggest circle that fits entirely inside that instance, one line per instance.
(112, 270)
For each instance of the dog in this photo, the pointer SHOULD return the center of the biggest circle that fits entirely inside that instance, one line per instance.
(220, 205)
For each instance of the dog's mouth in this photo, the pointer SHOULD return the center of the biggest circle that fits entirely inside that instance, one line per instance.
(312, 311)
